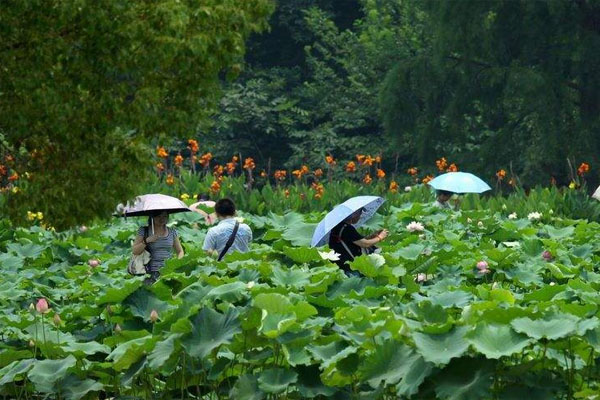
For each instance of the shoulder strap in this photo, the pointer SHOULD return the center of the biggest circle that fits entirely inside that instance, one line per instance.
(229, 241)
(344, 243)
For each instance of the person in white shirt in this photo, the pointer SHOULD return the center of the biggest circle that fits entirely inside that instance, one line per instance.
(219, 236)
(442, 201)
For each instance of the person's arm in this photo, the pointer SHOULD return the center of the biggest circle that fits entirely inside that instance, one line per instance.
(371, 240)
(209, 244)
(178, 248)
(138, 245)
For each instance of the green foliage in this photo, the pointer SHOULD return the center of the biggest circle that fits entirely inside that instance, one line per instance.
(86, 86)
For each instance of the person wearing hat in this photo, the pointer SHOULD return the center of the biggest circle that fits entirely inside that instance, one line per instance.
(345, 240)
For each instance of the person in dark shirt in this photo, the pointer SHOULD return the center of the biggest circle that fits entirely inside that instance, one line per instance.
(345, 240)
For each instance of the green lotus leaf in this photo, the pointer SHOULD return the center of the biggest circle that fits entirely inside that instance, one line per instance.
(211, 329)
(27, 250)
(246, 388)
(546, 293)
(331, 353)
(134, 370)
(231, 292)
(495, 341)
(440, 349)
(8, 356)
(11, 262)
(290, 277)
(387, 364)
(369, 265)
(194, 293)
(142, 302)
(118, 294)
(309, 383)
(465, 379)
(276, 380)
(74, 388)
(559, 233)
(14, 369)
(410, 252)
(456, 298)
(419, 370)
(130, 352)
(299, 234)
(275, 324)
(502, 296)
(163, 351)
(550, 327)
(302, 255)
(87, 348)
(273, 303)
(46, 373)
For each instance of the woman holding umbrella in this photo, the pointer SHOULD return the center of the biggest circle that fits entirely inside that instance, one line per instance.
(345, 240)
(159, 240)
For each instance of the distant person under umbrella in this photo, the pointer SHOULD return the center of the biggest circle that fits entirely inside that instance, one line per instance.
(345, 240)
(159, 240)
(442, 200)
(204, 200)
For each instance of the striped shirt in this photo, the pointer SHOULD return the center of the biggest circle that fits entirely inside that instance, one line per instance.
(217, 237)
(160, 250)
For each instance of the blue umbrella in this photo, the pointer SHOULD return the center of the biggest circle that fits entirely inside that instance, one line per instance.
(370, 204)
(459, 182)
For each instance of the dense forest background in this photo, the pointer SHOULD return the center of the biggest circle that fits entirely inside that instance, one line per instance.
(486, 84)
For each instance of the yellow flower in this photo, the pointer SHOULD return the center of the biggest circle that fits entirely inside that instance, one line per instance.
(39, 215)
(572, 185)
(30, 216)
(15, 190)
(185, 196)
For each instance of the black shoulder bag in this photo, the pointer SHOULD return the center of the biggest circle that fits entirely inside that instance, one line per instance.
(229, 242)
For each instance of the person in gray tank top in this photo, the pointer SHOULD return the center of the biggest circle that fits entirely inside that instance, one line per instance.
(159, 241)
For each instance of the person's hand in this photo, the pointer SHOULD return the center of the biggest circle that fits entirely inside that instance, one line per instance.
(152, 238)
(383, 234)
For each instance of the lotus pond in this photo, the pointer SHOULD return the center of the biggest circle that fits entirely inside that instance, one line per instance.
(473, 306)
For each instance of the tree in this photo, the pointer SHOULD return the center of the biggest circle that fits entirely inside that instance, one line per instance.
(502, 82)
(85, 84)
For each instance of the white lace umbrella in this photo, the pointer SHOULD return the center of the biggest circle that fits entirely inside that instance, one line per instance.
(152, 204)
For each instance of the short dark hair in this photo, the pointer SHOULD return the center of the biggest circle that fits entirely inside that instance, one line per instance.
(202, 197)
(225, 207)
(445, 192)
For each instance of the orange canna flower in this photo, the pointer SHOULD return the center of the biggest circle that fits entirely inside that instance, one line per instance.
(218, 170)
(215, 187)
(235, 159)
(378, 159)
(583, 169)
(318, 172)
(319, 190)
(427, 179)
(13, 177)
(380, 173)
(393, 187)
(367, 179)
(360, 158)
(230, 168)
(161, 152)
(160, 166)
(304, 169)
(297, 173)
(193, 145)
(178, 160)
(249, 163)
(330, 160)
(368, 161)
(412, 171)
(280, 174)
(170, 179)
(351, 166)
(452, 168)
(441, 164)
(3, 170)
(500, 174)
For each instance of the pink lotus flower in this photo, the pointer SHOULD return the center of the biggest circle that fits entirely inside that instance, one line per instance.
(421, 277)
(93, 263)
(546, 255)
(42, 306)
(482, 267)
(153, 316)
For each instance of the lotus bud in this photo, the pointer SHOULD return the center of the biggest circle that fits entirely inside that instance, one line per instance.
(83, 228)
(552, 283)
(57, 319)
(480, 224)
(42, 306)
(547, 255)
(118, 328)
(504, 206)
(482, 265)
(31, 343)
(93, 263)
(469, 220)
(407, 188)
(250, 285)
(421, 277)
(31, 307)
(153, 316)
(495, 285)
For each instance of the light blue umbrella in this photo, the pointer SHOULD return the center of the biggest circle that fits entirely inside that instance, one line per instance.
(370, 204)
(459, 182)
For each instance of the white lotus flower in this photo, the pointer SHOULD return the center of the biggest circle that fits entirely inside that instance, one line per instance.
(378, 259)
(469, 220)
(480, 224)
(421, 277)
(329, 255)
(512, 215)
(415, 227)
(504, 206)
(407, 188)
(250, 285)
(532, 216)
